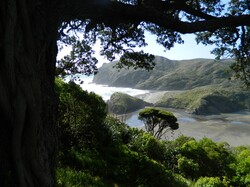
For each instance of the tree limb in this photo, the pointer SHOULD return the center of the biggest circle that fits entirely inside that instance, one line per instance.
(115, 13)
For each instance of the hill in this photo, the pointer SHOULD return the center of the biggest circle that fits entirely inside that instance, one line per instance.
(121, 103)
(204, 100)
(167, 75)
(207, 100)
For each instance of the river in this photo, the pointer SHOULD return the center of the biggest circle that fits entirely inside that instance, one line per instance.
(233, 128)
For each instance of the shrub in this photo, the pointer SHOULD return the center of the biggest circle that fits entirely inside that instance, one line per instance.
(80, 117)
(210, 182)
(242, 166)
(69, 177)
(212, 159)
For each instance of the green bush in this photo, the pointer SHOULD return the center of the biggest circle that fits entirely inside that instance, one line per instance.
(117, 131)
(84, 160)
(211, 159)
(242, 166)
(67, 177)
(80, 115)
(210, 182)
(180, 181)
(147, 145)
(188, 167)
(139, 170)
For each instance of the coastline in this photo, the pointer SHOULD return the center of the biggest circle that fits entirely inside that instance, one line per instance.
(233, 128)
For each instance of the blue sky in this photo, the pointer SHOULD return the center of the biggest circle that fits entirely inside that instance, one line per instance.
(188, 50)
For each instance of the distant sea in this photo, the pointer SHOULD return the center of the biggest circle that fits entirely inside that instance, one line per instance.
(231, 128)
(104, 90)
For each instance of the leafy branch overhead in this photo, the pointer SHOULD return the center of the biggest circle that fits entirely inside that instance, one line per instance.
(120, 25)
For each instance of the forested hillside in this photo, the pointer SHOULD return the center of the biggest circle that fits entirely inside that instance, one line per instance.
(167, 75)
(98, 150)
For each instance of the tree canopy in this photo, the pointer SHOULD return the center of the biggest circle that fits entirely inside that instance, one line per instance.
(158, 121)
(120, 26)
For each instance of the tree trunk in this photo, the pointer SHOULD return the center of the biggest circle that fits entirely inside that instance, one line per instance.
(28, 35)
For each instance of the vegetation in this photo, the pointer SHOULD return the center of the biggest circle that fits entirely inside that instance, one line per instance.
(158, 121)
(125, 156)
(208, 100)
(77, 107)
(29, 34)
(120, 103)
(201, 101)
(104, 157)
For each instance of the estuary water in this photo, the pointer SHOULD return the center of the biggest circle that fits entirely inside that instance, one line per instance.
(233, 128)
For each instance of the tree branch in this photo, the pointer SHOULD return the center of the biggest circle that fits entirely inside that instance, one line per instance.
(181, 5)
(114, 13)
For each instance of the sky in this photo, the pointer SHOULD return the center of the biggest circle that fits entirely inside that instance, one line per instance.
(188, 50)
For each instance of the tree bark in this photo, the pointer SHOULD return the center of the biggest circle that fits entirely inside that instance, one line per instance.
(27, 101)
